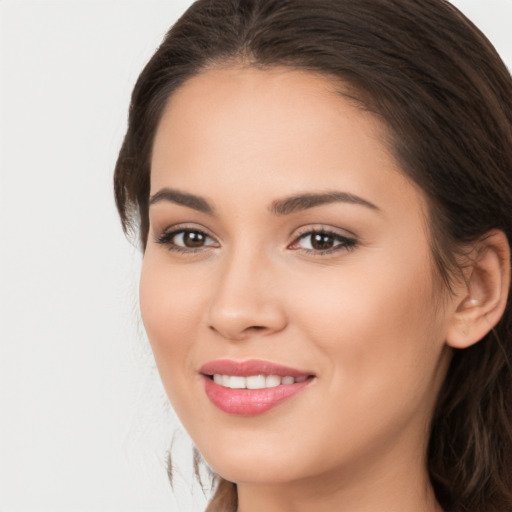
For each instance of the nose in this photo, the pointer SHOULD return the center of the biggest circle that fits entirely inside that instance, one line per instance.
(246, 300)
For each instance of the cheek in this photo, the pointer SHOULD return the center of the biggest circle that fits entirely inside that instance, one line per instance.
(169, 304)
(164, 302)
(374, 325)
(382, 351)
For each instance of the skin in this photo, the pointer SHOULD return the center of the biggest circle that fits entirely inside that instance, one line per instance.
(369, 320)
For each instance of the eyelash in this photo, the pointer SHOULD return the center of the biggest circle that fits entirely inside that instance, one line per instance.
(344, 243)
(166, 238)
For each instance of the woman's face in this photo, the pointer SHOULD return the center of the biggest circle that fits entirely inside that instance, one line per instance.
(288, 251)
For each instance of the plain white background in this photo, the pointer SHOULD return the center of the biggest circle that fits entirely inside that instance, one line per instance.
(84, 424)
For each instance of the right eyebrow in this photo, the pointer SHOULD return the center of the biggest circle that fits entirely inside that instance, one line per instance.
(310, 200)
(182, 198)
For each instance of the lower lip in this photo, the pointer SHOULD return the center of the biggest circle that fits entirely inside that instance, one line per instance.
(250, 402)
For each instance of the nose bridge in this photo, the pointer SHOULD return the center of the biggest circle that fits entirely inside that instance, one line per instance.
(245, 298)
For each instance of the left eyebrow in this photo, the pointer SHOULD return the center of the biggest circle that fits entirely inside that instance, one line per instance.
(182, 198)
(301, 202)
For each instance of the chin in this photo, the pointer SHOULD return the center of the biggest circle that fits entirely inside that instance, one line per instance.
(258, 463)
(259, 472)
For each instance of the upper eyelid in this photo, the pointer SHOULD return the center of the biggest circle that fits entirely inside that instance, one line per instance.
(165, 236)
(177, 228)
(345, 244)
(166, 239)
(321, 228)
(333, 234)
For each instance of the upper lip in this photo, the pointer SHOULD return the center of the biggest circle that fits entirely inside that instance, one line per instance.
(251, 367)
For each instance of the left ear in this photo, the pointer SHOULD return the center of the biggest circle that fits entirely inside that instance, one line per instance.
(482, 301)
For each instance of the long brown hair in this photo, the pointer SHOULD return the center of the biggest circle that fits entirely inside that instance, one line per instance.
(446, 98)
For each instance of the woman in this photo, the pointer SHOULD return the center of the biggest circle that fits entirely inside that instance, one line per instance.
(323, 190)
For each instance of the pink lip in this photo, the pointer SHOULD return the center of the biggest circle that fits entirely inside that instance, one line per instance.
(250, 402)
(251, 367)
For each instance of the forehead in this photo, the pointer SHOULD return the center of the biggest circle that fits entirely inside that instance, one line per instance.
(269, 130)
(263, 102)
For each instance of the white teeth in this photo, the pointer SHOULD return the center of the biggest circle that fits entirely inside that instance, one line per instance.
(254, 381)
(236, 382)
(272, 381)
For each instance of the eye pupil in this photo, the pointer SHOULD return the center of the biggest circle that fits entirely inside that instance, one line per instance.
(322, 241)
(193, 239)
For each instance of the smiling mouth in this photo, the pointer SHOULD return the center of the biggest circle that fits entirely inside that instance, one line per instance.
(251, 387)
(255, 381)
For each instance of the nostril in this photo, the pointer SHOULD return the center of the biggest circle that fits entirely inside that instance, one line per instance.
(254, 329)
(243, 319)
(238, 335)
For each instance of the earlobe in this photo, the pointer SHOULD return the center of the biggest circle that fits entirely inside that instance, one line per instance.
(483, 300)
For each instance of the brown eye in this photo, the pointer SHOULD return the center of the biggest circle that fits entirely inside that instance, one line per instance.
(191, 239)
(186, 239)
(322, 242)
